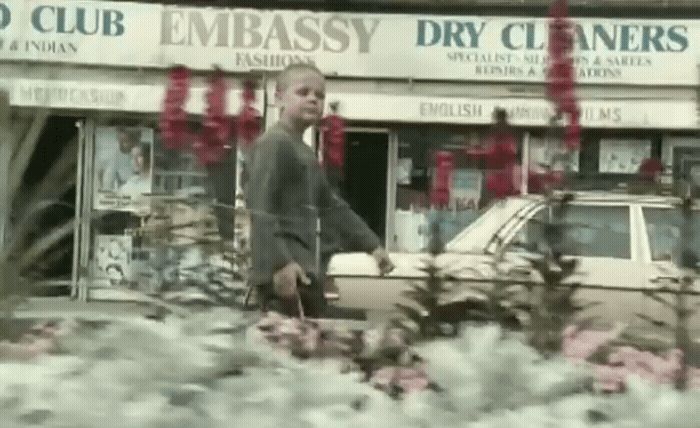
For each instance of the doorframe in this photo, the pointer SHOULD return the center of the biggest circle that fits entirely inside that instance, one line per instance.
(392, 151)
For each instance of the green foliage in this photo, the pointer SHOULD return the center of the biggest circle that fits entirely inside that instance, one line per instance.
(674, 294)
(552, 303)
(27, 249)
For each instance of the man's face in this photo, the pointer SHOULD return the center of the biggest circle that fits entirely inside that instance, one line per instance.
(126, 143)
(138, 159)
(303, 99)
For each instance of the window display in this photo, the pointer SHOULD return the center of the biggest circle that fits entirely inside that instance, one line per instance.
(618, 156)
(153, 213)
(123, 167)
(414, 176)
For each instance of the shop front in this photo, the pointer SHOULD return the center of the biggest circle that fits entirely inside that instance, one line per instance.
(619, 134)
(126, 178)
(407, 86)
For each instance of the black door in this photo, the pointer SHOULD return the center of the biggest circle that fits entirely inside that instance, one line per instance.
(366, 159)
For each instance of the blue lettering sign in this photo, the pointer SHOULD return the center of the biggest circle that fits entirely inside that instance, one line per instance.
(449, 33)
(507, 36)
(532, 36)
(65, 20)
(5, 16)
(678, 34)
(36, 18)
(628, 38)
(531, 41)
(426, 27)
(113, 23)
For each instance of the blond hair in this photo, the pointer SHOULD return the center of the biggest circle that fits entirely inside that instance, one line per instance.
(292, 70)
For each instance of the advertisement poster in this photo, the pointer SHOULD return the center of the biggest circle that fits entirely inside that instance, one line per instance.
(623, 156)
(404, 169)
(466, 189)
(113, 259)
(123, 168)
(550, 153)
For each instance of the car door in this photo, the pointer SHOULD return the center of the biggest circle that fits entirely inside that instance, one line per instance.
(603, 237)
(662, 228)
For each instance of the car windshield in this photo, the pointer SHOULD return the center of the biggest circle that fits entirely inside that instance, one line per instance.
(592, 231)
(477, 236)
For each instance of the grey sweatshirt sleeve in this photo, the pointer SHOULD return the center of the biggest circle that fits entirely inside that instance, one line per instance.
(352, 229)
(263, 202)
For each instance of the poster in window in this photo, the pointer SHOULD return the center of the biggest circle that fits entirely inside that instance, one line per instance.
(123, 168)
(546, 153)
(404, 169)
(466, 189)
(113, 260)
(621, 156)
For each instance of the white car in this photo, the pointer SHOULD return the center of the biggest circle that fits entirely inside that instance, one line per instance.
(624, 244)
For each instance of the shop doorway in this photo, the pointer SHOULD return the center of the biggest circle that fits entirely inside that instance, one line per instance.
(365, 184)
(49, 181)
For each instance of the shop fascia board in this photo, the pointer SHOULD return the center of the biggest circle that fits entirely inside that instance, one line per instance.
(500, 90)
(596, 113)
(86, 91)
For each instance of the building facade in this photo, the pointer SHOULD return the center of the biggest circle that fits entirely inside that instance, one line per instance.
(407, 84)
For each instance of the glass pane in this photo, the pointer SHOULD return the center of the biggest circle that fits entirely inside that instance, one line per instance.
(133, 172)
(664, 232)
(531, 234)
(599, 231)
(593, 231)
(414, 175)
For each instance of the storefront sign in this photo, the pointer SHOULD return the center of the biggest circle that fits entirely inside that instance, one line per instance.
(663, 114)
(468, 48)
(90, 95)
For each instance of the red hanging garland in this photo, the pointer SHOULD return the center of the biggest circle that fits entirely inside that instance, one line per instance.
(650, 169)
(248, 123)
(500, 154)
(213, 142)
(333, 140)
(560, 74)
(442, 180)
(173, 119)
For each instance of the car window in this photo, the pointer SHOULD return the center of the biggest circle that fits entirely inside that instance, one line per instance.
(592, 231)
(664, 232)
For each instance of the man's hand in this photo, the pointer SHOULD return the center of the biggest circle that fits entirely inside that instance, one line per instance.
(384, 263)
(285, 280)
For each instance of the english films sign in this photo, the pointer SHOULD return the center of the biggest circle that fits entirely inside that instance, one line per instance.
(509, 49)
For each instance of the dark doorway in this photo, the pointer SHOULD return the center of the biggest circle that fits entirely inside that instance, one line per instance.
(54, 141)
(365, 177)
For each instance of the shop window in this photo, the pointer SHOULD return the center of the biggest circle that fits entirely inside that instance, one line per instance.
(141, 186)
(414, 173)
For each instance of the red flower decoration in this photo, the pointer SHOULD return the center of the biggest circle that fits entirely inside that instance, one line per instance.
(501, 152)
(334, 140)
(173, 119)
(560, 74)
(500, 183)
(213, 142)
(651, 168)
(248, 123)
(442, 180)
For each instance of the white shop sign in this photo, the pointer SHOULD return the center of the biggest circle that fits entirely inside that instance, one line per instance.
(664, 114)
(86, 95)
(463, 48)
